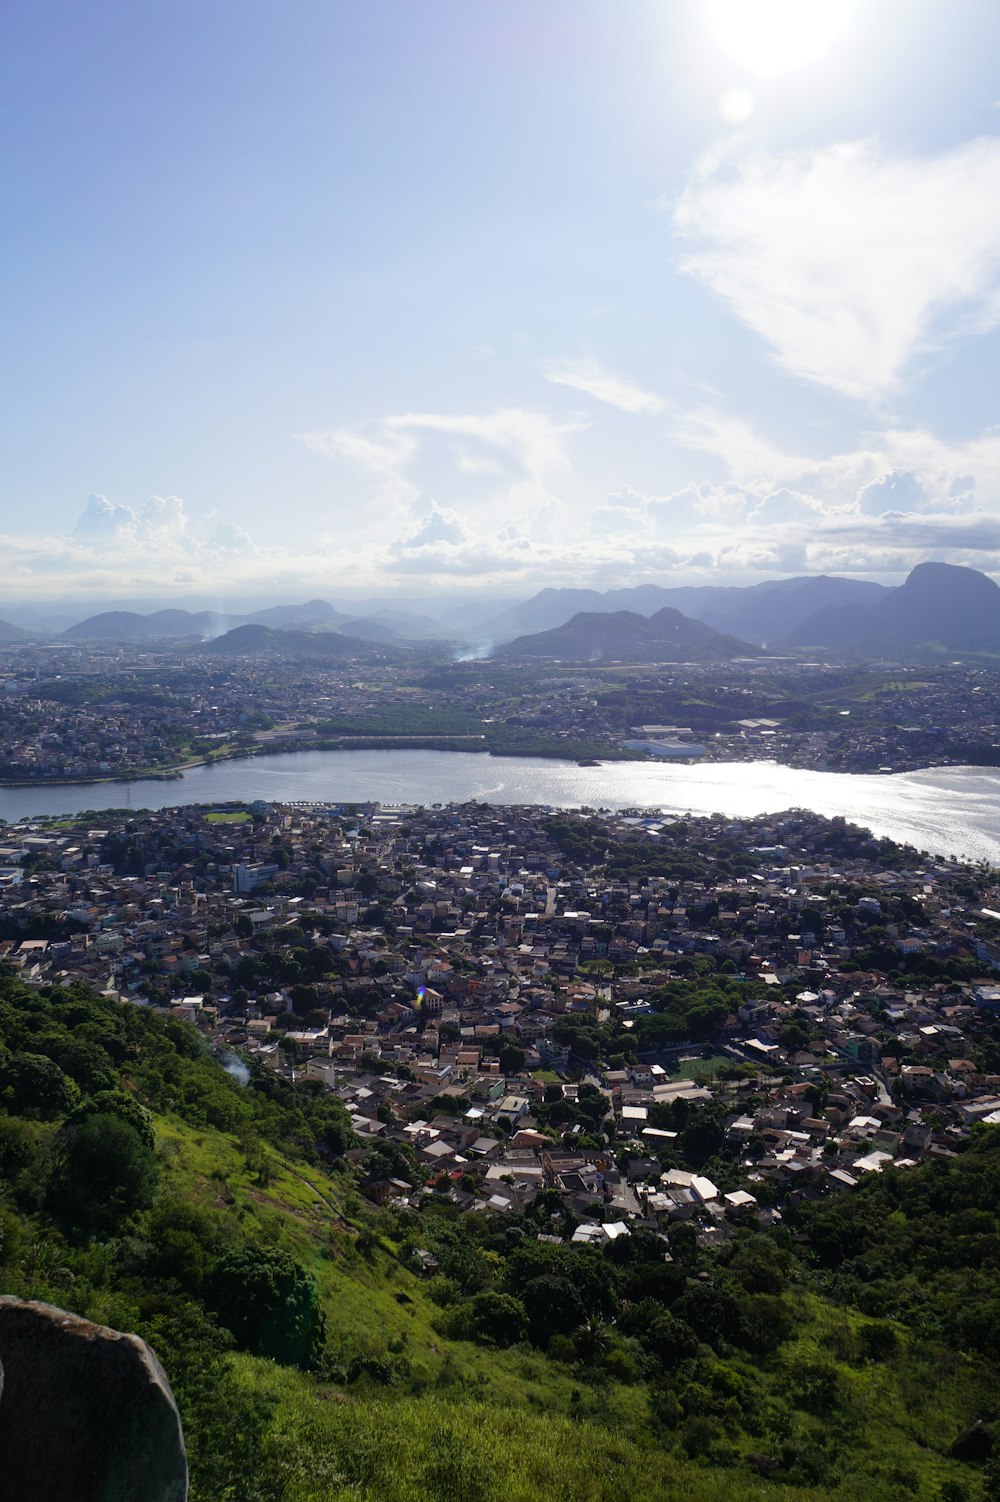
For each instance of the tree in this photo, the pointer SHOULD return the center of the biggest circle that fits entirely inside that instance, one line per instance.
(511, 1059)
(32, 1085)
(84, 1061)
(670, 1340)
(497, 1317)
(712, 1313)
(553, 1307)
(269, 1303)
(125, 1107)
(104, 1172)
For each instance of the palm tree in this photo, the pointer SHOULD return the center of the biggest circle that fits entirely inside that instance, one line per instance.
(592, 1338)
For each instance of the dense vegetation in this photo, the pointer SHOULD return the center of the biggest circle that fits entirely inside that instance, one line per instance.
(584, 840)
(835, 1355)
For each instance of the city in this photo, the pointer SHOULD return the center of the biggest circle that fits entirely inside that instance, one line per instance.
(658, 1020)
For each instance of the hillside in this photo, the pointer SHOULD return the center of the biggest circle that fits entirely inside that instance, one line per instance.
(130, 625)
(11, 635)
(624, 636)
(939, 604)
(142, 1186)
(326, 646)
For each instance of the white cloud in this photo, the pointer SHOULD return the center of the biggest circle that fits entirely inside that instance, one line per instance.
(232, 540)
(590, 377)
(786, 506)
(899, 490)
(439, 525)
(848, 260)
(531, 438)
(736, 443)
(161, 520)
(385, 458)
(505, 464)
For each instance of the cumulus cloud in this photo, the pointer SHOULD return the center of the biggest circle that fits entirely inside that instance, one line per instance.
(849, 260)
(899, 490)
(785, 505)
(439, 525)
(590, 377)
(228, 538)
(439, 543)
(161, 520)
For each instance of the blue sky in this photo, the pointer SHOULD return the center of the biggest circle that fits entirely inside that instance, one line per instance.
(419, 295)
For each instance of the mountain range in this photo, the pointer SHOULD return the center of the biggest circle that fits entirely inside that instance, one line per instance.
(761, 613)
(390, 627)
(938, 605)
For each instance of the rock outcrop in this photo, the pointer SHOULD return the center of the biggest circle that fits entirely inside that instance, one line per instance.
(86, 1414)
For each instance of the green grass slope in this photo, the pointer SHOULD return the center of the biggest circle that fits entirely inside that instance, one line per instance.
(141, 1186)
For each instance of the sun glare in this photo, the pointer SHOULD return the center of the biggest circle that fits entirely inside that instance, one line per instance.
(773, 36)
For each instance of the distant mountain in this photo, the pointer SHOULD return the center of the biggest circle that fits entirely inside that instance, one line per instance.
(129, 626)
(626, 636)
(10, 634)
(326, 646)
(410, 624)
(397, 626)
(285, 617)
(939, 604)
(391, 627)
(761, 613)
(767, 613)
(174, 625)
(554, 607)
(372, 630)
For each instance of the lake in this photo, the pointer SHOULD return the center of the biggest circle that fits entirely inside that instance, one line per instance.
(947, 810)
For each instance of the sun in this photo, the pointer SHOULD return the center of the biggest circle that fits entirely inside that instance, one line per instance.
(768, 37)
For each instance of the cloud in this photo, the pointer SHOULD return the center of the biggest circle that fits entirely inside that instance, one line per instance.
(899, 490)
(121, 549)
(439, 525)
(232, 540)
(736, 443)
(849, 261)
(590, 377)
(161, 520)
(439, 543)
(532, 439)
(385, 458)
(785, 506)
(509, 463)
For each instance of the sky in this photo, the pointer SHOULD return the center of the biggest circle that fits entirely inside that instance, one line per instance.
(312, 297)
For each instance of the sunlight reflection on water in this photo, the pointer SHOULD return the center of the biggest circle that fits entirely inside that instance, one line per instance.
(948, 810)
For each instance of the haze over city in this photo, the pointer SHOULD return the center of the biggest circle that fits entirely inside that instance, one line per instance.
(469, 299)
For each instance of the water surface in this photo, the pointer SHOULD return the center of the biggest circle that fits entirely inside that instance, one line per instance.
(947, 810)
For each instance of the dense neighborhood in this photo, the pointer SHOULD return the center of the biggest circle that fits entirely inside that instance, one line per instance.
(655, 1020)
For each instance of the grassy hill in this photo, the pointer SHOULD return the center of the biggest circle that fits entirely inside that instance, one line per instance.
(141, 1186)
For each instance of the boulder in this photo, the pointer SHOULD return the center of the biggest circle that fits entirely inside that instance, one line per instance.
(974, 1443)
(86, 1414)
